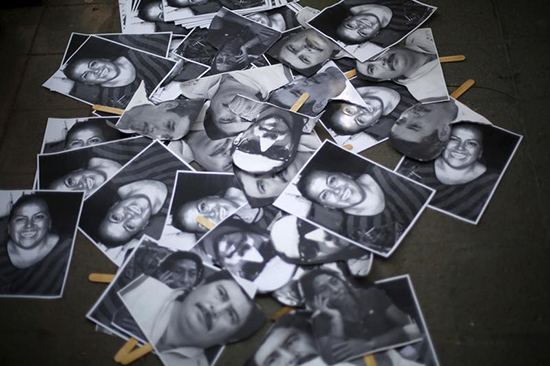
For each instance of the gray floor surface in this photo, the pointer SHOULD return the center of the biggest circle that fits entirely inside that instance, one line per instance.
(483, 289)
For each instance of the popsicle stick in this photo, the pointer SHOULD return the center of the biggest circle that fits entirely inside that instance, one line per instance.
(300, 102)
(348, 147)
(369, 360)
(280, 313)
(350, 74)
(101, 277)
(205, 222)
(455, 58)
(126, 349)
(137, 353)
(103, 108)
(463, 88)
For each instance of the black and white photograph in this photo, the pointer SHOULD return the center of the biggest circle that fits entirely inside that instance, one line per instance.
(182, 9)
(73, 133)
(212, 196)
(37, 234)
(239, 41)
(422, 131)
(211, 155)
(414, 64)
(352, 317)
(262, 189)
(146, 17)
(365, 28)
(304, 50)
(280, 19)
(87, 168)
(220, 90)
(328, 83)
(245, 250)
(271, 142)
(183, 325)
(467, 172)
(363, 124)
(195, 47)
(355, 198)
(133, 203)
(108, 73)
(168, 120)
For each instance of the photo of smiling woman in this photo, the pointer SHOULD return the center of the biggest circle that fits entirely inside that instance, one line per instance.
(183, 326)
(355, 198)
(108, 73)
(468, 170)
(132, 203)
(37, 231)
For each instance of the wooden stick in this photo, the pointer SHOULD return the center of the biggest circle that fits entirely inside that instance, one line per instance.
(455, 58)
(101, 277)
(369, 360)
(138, 353)
(350, 74)
(463, 88)
(205, 222)
(300, 102)
(348, 147)
(126, 349)
(280, 313)
(103, 108)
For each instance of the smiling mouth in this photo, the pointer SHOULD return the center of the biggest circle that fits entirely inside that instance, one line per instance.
(205, 316)
(29, 234)
(103, 72)
(135, 209)
(345, 194)
(390, 61)
(458, 155)
(89, 183)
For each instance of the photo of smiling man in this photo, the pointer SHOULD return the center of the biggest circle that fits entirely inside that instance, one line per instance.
(133, 203)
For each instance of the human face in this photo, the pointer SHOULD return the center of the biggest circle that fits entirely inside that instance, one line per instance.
(214, 208)
(305, 49)
(154, 12)
(30, 224)
(422, 120)
(237, 248)
(335, 190)
(212, 313)
(359, 28)
(325, 245)
(317, 86)
(184, 274)
(94, 71)
(261, 18)
(286, 347)
(184, 3)
(395, 63)
(225, 60)
(126, 218)
(354, 118)
(270, 137)
(212, 155)
(80, 180)
(85, 137)
(160, 121)
(464, 147)
(333, 289)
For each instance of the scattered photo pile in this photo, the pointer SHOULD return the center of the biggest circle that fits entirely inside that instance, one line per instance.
(203, 177)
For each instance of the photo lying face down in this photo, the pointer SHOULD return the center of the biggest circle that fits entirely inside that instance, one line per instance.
(328, 83)
(182, 324)
(270, 144)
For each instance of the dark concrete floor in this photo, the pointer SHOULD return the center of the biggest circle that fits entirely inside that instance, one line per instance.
(483, 288)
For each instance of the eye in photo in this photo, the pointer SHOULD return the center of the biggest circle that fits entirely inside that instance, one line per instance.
(468, 170)
(355, 198)
(108, 73)
(182, 325)
(364, 28)
(38, 230)
(132, 203)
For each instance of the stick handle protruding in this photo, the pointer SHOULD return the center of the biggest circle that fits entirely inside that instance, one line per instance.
(104, 108)
(101, 277)
(463, 88)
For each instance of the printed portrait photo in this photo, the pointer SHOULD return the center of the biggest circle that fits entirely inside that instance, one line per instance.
(468, 170)
(132, 203)
(279, 19)
(364, 28)
(37, 234)
(355, 198)
(146, 16)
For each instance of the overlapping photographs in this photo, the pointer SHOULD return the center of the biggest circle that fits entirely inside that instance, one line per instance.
(212, 196)
(37, 242)
(414, 64)
(279, 19)
(365, 28)
(108, 73)
(355, 198)
(466, 174)
(339, 324)
(190, 326)
(145, 16)
(87, 168)
(359, 125)
(133, 203)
